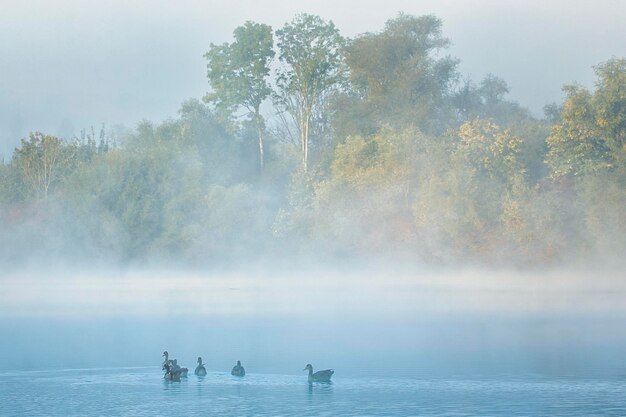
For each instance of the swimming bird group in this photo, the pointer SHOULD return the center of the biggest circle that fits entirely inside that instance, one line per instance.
(173, 372)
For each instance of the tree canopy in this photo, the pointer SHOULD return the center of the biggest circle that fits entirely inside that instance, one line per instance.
(397, 157)
(238, 72)
(311, 54)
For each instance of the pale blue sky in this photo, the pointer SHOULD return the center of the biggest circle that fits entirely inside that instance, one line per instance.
(69, 64)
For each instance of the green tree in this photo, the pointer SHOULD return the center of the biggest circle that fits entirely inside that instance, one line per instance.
(470, 199)
(590, 135)
(11, 183)
(491, 150)
(609, 102)
(487, 101)
(366, 202)
(398, 74)
(311, 53)
(141, 198)
(576, 145)
(237, 74)
(200, 131)
(43, 161)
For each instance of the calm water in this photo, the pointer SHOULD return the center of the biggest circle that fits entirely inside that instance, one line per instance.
(141, 392)
(470, 345)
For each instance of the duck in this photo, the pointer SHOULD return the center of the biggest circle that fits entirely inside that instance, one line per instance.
(171, 366)
(238, 370)
(177, 368)
(200, 369)
(170, 373)
(319, 376)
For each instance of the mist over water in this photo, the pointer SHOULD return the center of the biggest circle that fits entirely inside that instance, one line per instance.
(408, 325)
(429, 343)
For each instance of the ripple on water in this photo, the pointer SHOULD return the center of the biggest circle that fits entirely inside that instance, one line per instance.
(142, 391)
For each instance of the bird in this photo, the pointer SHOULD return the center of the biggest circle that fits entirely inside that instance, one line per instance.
(319, 376)
(238, 370)
(172, 368)
(200, 369)
(177, 368)
(170, 373)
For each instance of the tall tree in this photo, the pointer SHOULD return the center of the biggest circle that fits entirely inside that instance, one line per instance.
(43, 161)
(311, 53)
(398, 75)
(609, 102)
(590, 135)
(237, 74)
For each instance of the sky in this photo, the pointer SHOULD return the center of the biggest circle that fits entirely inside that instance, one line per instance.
(66, 65)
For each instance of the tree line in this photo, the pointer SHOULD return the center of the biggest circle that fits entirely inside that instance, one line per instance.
(312, 145)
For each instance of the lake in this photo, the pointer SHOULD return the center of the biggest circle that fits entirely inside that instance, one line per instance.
(427, 345)
(142, 392)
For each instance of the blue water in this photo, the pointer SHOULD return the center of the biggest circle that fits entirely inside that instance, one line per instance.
(143, 392)
(93, 348)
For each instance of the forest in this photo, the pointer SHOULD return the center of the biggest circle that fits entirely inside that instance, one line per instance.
(312, 147)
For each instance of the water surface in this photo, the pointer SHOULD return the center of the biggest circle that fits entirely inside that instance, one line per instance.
(141, 391)
(427, 345)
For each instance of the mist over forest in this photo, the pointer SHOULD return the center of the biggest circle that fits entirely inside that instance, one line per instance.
(309, 147)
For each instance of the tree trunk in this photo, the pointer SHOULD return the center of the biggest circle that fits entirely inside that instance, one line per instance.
(302, 136)
(260, 134)
(306, 139)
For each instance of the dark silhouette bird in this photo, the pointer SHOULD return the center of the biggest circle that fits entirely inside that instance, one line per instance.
(171, 367)
(178, 368)
(170, 373)
(238, 370)
(319, 376)
(200, 369)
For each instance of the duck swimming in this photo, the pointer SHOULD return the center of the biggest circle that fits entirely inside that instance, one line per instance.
(171, 367)
(177, 368)
(200, 369)
(170, 373)
(319, 376)
(238, 370)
